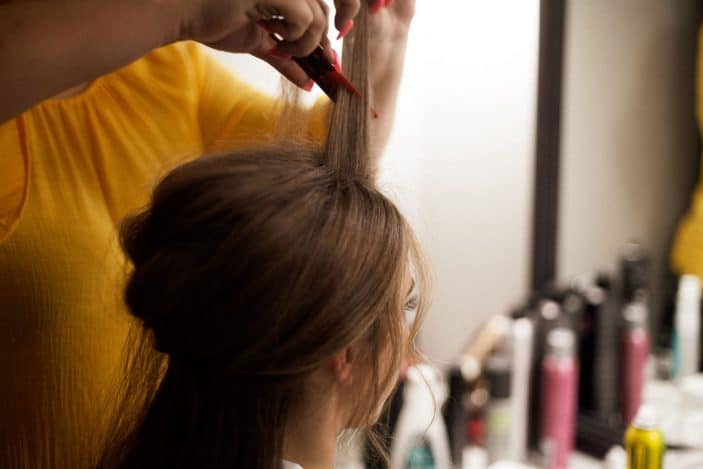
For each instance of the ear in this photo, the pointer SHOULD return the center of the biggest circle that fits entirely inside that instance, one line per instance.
(341, 365)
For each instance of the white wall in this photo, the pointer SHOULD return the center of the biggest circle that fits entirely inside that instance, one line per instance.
(629, 145)
(460, 160)
(466, 129)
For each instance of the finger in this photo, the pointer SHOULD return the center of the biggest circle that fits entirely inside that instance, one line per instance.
(325, 8)
(346, 11)
(325, 41)
(312, 38)
(298, 15)
(278, 27)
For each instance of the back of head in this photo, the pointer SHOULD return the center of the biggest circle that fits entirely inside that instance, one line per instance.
(250, 271)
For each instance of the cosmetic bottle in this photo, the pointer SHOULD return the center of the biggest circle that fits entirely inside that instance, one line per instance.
(482, 344)
(634, 271)
(605, 378)
(420, 439)
(523, 337)
(558, 404)
(498, 373)
(687, 333)
(546, 317)
(476, 404)
(455, 414)
(644, 442)
(595, 298)
(634, 352)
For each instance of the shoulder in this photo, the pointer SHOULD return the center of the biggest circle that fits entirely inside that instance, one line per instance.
(180, 54)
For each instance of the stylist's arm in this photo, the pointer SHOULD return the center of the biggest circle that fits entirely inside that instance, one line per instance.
(48, 47)
(390, 24)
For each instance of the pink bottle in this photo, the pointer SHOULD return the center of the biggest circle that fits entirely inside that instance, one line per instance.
(634, 350)
(559, 397)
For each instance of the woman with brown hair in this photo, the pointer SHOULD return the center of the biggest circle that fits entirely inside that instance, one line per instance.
(73, 166)
(276, 284)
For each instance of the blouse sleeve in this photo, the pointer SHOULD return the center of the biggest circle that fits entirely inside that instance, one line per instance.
(14, 175)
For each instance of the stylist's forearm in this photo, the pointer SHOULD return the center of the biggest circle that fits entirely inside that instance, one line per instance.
(387, 61)
(47, 47)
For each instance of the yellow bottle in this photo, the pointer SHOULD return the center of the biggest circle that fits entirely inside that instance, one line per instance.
(644, 441)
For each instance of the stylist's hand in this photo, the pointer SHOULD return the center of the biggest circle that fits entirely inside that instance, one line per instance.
(245, 26)
(389, 27)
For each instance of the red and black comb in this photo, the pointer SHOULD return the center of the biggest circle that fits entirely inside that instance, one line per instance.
(326, 75)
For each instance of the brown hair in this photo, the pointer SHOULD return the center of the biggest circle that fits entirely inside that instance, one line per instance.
(251, 270)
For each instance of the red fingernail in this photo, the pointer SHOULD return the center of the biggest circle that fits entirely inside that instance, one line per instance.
(336, 64)
(308, 86)
(376, 6)
(274, 52)
(345, 29)
(388, 3)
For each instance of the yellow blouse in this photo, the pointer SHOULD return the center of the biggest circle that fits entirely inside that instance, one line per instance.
(70, 169)
(687, 255)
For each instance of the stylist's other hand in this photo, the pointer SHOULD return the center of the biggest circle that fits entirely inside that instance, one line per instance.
(389, 27)
(246, 26)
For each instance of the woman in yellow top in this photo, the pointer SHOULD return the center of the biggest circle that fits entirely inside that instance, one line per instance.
(687, 254)
(73, 166)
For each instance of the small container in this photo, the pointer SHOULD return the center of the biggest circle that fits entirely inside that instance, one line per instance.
(644, 442)
(559, 392)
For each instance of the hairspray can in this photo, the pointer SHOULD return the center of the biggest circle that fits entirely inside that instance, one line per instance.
(547, 316)
(644, 442)
(559, 392)
(634, 348)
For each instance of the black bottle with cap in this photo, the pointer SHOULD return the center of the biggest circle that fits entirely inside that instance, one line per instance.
(498, 371)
